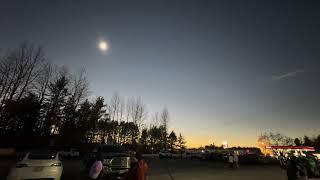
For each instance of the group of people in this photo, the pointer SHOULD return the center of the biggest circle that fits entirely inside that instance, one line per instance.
(233, 160)
(301, 165)
(138, 169)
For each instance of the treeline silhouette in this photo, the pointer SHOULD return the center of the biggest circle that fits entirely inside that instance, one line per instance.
(45, 105)
(278, 139)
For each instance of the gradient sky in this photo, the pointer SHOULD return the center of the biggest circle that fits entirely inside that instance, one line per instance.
(226, 70)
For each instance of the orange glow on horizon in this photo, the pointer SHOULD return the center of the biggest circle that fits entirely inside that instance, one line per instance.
(198, 142)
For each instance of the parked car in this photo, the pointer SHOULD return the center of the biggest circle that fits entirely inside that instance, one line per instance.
(115, 158)
(70, 153)
(165, 154)
(216, 156)
(197, 155)
(178, 155)
(38, 165)
(174, 154)
(251, 159)
(317, 154)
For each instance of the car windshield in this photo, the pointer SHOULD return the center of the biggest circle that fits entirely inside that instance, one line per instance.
(42, 155)
(110, 149)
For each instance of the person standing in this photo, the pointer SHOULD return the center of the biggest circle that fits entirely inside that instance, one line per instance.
(235, 160)
(96, 168)
(138, 170)
(230, 160)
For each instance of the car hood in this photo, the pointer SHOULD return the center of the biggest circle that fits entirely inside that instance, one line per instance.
(31, 163)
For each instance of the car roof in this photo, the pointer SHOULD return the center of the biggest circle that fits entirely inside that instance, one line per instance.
(49, 151)
(41, 155)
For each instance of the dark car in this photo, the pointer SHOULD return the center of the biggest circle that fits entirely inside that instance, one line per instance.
(116, 159)
(251, 159)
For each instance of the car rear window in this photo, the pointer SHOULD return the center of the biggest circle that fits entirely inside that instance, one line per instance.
(109, 149)
(42, 155)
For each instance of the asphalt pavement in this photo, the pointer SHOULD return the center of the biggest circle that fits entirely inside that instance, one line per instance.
(177, 169)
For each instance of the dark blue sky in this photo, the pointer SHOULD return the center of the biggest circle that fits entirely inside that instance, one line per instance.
(225, 69)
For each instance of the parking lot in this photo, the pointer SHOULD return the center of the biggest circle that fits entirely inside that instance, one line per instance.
(205, 170)
(166, 169)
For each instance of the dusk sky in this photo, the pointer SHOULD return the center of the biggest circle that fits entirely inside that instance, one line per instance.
(226, 70)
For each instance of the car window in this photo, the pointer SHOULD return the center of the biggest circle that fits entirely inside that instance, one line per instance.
(42, 155)
(60, 158)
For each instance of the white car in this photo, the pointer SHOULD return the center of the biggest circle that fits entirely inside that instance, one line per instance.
(38, 165)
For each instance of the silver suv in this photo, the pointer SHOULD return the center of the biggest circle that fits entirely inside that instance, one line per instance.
(115, 158)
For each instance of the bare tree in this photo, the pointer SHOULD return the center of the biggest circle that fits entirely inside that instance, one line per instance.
(264, 142)
(164, 117)
(120, 109)
(79, 87)
(129, 108)
(6, 68)
(19, 69)
(34, 69)
(276, 139)
(288, 141)
(42, 82)
(116, 111)
(116, 107)
(155, 119)
(138, 111)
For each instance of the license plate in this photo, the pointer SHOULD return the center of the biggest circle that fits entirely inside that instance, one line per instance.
(37, 169)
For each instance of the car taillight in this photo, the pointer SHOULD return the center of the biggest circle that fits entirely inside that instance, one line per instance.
(56, 164)
(21, 165)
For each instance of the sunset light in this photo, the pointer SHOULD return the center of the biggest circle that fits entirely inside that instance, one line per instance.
(160, 90)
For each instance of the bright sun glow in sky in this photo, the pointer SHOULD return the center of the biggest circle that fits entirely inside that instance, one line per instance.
(103, 46)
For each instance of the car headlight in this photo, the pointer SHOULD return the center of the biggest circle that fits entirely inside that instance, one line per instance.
(56, 164)
(20, 165)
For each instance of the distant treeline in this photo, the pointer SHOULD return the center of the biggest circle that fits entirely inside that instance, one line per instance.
(278, 139)
(42, 105)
